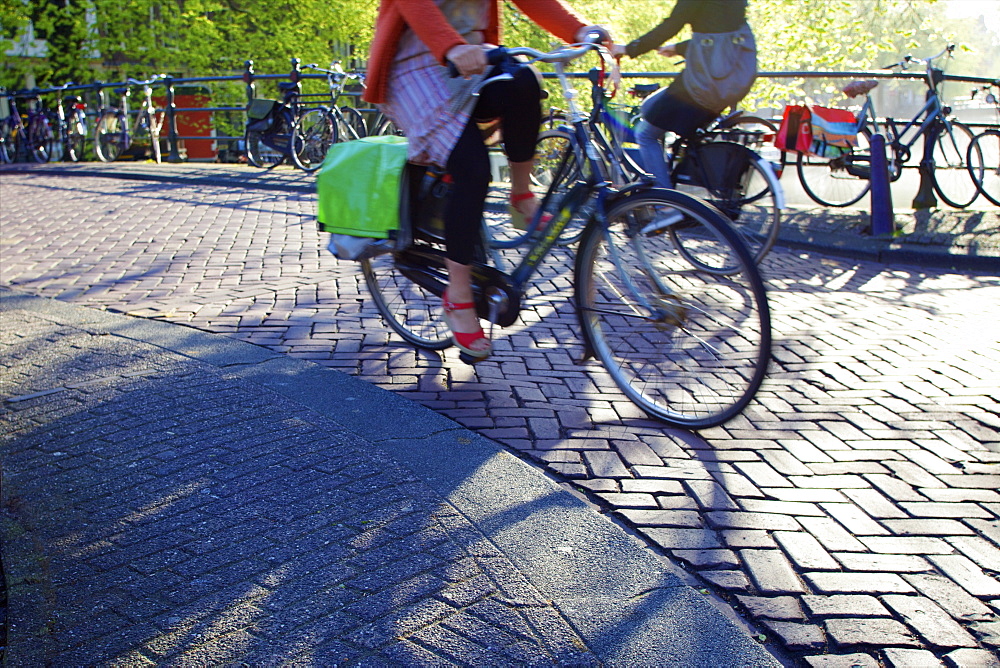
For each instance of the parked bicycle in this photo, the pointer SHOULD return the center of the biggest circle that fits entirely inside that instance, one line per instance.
(844, 180)
(987, 146)
(667, 296)
(316, 130)
(69, 126)
(114, 136)
(270, 124)
(717, 165)
(26, 138)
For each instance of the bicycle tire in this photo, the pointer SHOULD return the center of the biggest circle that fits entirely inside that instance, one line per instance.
(354, 121)
(313, 134)
(954, 181)
(694, 350)
(39, 139)
(76, 138)
(142, 145)
(155, 125)
(752, 207)
(260, 154)
(108, 137)
(988, 145)
(384, 126)
(757, 134)
(411, 309)
(830, 182)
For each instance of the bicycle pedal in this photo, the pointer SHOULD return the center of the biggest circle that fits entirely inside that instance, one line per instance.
(660, 225)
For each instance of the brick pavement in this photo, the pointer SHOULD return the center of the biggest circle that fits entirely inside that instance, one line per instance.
(852, 512)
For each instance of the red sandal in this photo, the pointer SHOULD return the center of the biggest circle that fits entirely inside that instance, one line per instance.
(464, 340)
(519, 219)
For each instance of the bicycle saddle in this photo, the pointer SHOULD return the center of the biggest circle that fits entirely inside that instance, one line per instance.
(287, 86)
(856, 88)
(644, 90)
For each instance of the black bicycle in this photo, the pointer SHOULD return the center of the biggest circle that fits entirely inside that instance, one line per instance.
(270, 123)
(667, 296)
(986, 146)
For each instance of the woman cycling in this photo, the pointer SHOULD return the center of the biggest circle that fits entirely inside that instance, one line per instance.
(683, 107)
(409, 81)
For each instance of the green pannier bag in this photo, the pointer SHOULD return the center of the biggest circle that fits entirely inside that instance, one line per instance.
(359, 190)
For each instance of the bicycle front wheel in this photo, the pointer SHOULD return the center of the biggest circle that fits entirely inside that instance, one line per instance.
(400, 286)
(109, 137)
(76, 138)
(353, 125)
(987, 145)
(954, 177)
(40, 139)
(688, 346)
(313, 135)
(840, 181)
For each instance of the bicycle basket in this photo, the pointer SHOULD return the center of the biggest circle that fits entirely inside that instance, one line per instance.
(260, 114)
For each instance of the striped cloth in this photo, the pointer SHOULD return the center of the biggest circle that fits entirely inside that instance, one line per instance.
(431, 108)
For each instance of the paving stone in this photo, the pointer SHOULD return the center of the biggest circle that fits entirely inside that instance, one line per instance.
(739, 520)
(894, 488)
(936, 527)
(914, 474)
(845, 605)
(910, 658)
(870, 631)
(988, 528)
(829, 481)
(988, 633)
(650, 486)
(682, 502)
(710, 495)
(748, 538)
(971, 658)
(972, 481)
(978, 550)
(663, 518)
(854, 519)
(771, 572)
(959, 603)
(893, 563)
(683, 539)
(784, 608)
(805, 551)
(785, 463)
(961, 495)
(907, 545)
(705, 559)
(932, 623)
(762, 475)
(856, 660)
(857, 583)
(933, 509)
(797, 637)
(874, 503)
(804, 495)
(967, 574)
(623, 500)
(832, 535)
(729, 580)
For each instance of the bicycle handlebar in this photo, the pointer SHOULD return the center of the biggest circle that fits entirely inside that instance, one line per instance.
(562, 54)
(151, 80)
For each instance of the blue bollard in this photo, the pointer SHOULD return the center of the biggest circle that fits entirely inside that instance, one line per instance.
(882, 220)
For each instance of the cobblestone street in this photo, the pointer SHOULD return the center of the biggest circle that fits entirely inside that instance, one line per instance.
(851, 514)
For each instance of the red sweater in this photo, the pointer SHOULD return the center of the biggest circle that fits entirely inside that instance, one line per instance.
(433, 29)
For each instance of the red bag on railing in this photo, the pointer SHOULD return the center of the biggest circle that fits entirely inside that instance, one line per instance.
(795, 133)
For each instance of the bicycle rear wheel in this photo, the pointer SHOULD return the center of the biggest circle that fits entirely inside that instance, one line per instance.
(690, 347)
(109, 137)
(40, 139)
(400, 286)
(732, 178)
(840, 181)
(77, 137)
(955, 167)
(354, 125)
(987, 144)
(313, 135)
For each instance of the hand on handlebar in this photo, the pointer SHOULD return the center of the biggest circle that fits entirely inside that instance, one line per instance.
(468, 59)
(594, 34)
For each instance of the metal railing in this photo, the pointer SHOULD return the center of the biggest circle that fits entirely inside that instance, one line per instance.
(250, 78)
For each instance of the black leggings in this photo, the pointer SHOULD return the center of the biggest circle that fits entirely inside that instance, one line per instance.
(518, 104)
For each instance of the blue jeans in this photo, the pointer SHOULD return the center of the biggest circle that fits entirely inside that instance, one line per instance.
(650, 139)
